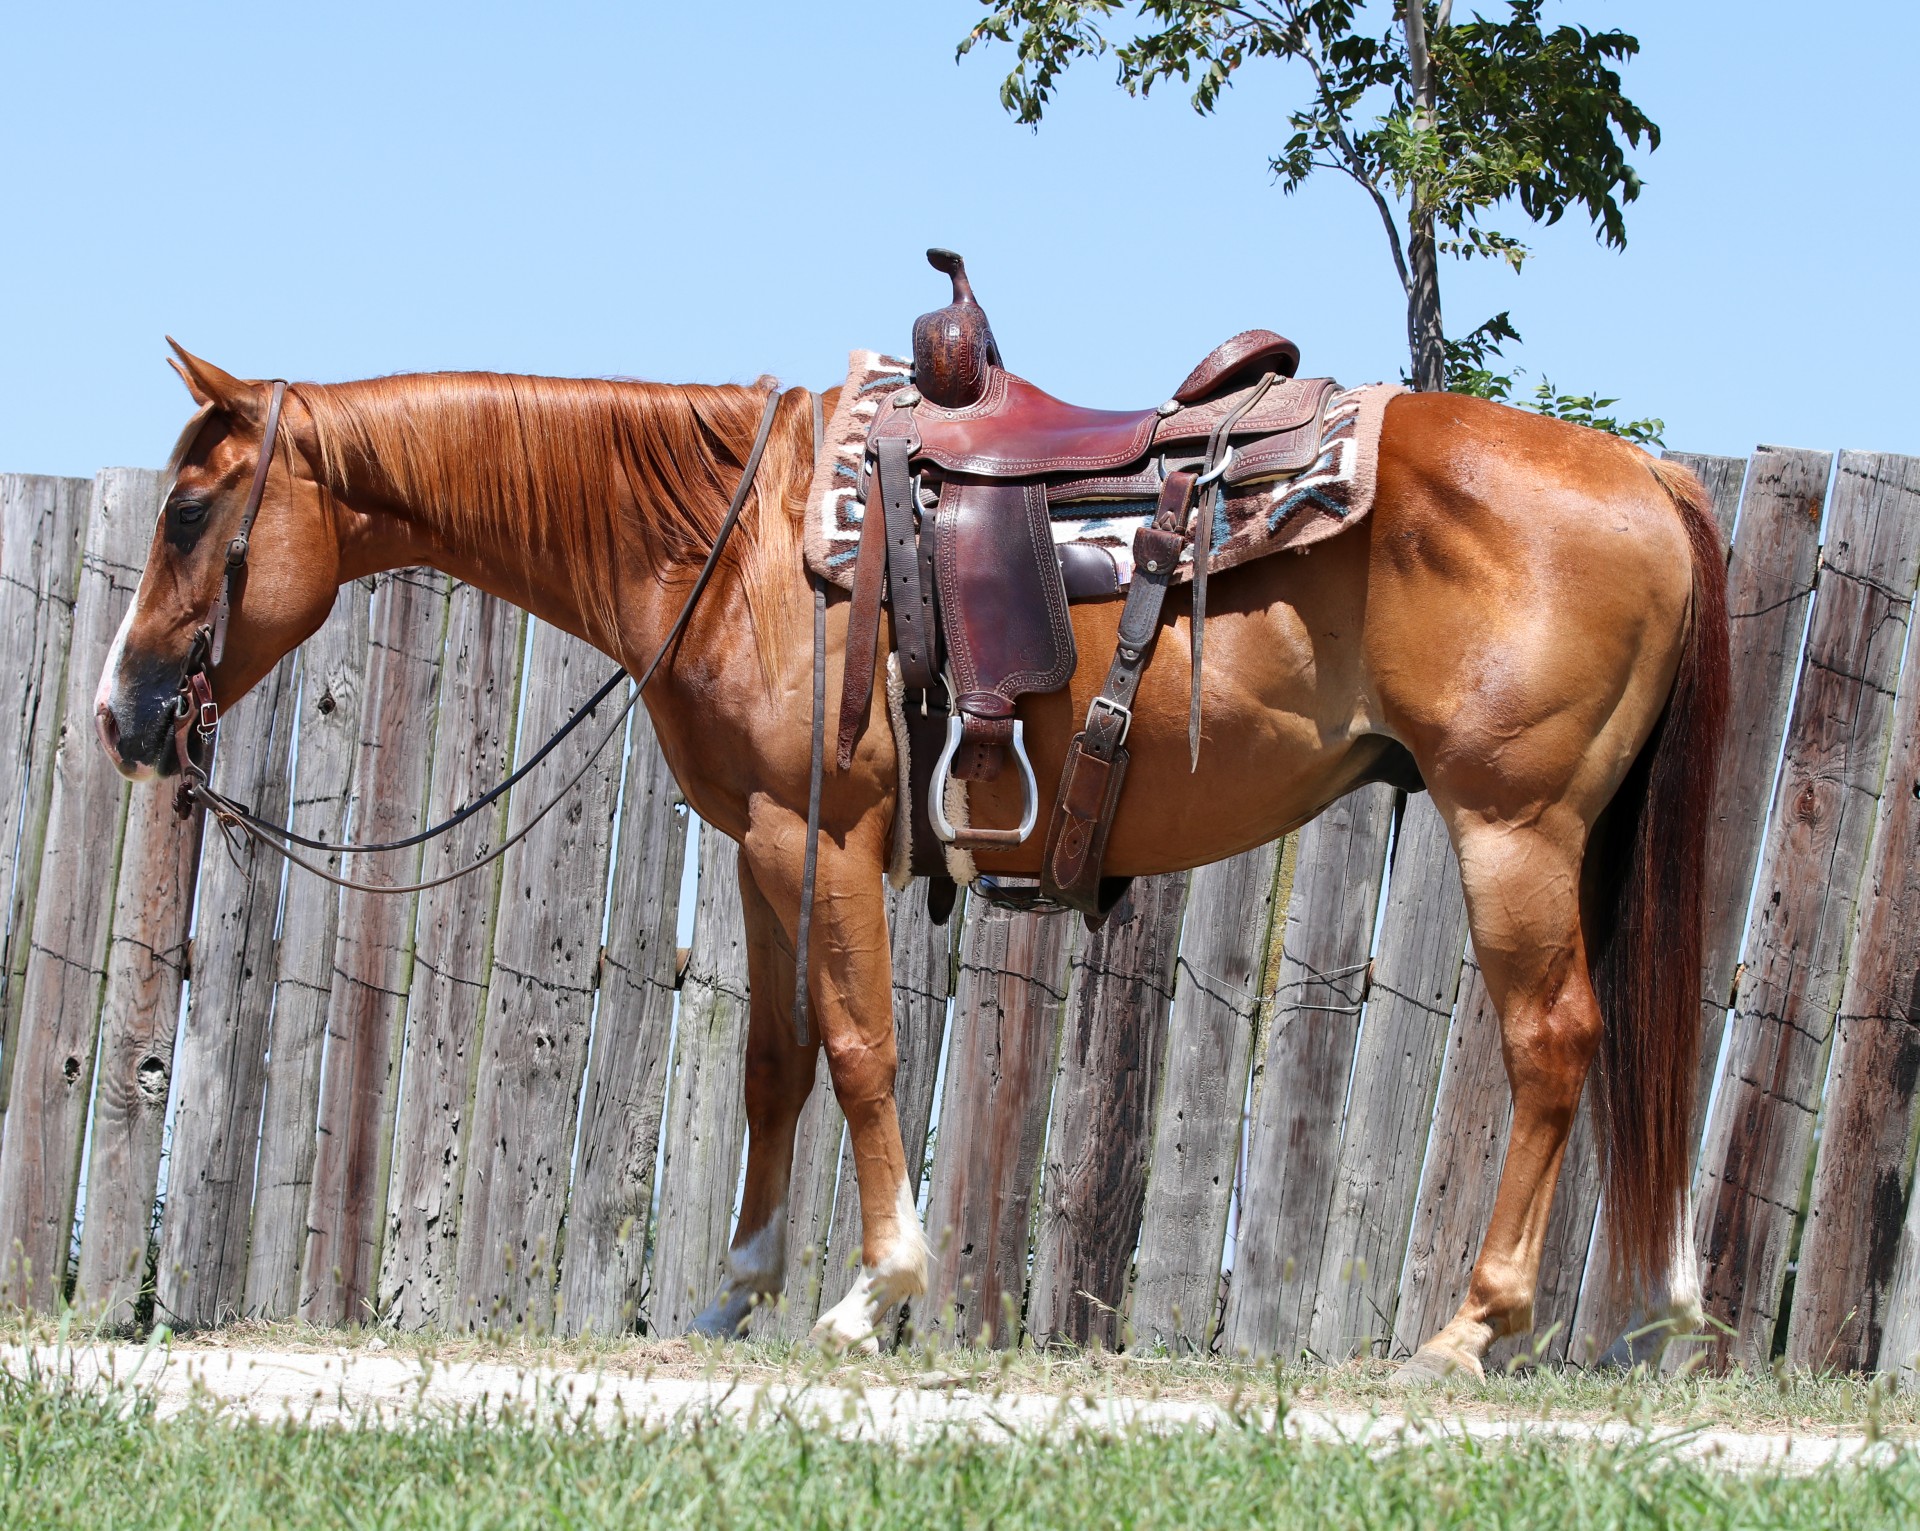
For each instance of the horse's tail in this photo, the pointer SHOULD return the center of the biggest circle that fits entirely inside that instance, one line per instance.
(1650, 909)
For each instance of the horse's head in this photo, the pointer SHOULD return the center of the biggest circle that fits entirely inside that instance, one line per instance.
(280, 575)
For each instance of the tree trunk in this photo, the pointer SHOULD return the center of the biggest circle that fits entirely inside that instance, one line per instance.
(1426, 340)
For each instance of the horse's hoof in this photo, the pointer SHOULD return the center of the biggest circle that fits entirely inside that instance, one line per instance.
(1430, 1364)
(725, 1318)
(838, 1339)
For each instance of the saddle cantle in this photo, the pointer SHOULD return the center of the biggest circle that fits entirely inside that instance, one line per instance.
(964, 469)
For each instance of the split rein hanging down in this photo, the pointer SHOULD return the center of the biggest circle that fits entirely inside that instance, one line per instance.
(235, 818)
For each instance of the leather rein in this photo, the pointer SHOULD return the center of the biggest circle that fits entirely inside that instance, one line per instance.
(196, 713)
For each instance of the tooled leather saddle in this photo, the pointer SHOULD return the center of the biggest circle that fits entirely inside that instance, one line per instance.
(964, 471)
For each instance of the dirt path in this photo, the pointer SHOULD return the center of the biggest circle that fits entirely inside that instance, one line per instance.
(363, 1387)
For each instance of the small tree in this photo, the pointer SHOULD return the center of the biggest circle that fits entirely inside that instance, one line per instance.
(1440, 123)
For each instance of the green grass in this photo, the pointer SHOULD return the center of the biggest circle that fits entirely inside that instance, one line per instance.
(72, 1457)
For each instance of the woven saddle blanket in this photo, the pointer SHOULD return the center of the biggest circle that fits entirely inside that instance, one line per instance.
(1329, 495)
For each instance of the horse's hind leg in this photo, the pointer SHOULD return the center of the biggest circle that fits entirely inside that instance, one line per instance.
(778, 1081)
(1522, 884)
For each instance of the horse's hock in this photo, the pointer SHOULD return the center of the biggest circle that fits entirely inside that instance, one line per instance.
(384, 1133)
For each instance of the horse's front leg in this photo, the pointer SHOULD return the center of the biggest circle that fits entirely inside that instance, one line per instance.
(853, 1002)
(779, 1077)
(851, 1007)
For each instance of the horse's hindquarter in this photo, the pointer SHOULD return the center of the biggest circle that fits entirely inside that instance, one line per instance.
(1511, 612)
(1529, 589)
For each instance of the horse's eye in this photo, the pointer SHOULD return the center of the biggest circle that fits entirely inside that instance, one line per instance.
(190, 512)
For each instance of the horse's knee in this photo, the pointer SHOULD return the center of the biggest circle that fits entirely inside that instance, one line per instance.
(862, 1067)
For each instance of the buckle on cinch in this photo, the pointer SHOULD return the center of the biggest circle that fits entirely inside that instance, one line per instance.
(1119, 709)
(943, 829)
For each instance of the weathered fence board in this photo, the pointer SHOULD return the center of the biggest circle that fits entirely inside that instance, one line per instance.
(1112, 1050)
(61, 989)
(1293, 1146)
(540, 1006)
(1760, 1134)
(1769, 587)
(452, 954)
(333, 672)
(1471, 1117)
(1900, 1341)
(1011, 998)
(139, 1015)
(923, 964)
(603, 1276)
(42, 520)
(1403, 1036)
(373, 952)
(219, 1067)
(1197, 1131)
(706, 1111)
(1859, 1195)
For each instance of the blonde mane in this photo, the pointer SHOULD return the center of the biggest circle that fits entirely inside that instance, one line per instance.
(591, 472)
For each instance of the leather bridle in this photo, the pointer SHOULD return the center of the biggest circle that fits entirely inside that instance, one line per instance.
(195, 712)
(194, 707)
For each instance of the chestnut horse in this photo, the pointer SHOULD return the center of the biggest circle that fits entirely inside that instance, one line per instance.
(1531, 625)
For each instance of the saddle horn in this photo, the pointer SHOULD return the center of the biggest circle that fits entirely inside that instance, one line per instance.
(954, 352)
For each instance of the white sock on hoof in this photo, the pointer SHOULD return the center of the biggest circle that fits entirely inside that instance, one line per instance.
(900, 1273)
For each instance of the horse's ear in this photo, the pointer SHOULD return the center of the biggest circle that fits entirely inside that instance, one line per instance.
(208, 384)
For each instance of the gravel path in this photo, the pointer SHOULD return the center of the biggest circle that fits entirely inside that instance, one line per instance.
(361, 1387)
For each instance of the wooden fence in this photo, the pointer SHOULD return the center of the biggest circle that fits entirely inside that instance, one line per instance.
(1262, 1111)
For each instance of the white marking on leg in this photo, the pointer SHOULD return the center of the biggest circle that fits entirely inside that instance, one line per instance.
(900, 1273)
(760, 1264)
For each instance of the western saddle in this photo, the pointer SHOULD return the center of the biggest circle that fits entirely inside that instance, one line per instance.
(965, 467)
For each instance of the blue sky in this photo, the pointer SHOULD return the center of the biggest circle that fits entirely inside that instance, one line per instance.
(710, 192)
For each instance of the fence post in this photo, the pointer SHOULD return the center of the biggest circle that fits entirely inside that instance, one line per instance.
(1000, 1059)
(602, 1276)
(1416, 979)
(219, 1062)
(1761, 1130)
(540, 1006)
(333, 673)
(1852, 1232)
(453, 955)
(1112, 1050)
(1293, 1138)
(1197, 1129)
(42, 521)
(60, 998)
(373, 952)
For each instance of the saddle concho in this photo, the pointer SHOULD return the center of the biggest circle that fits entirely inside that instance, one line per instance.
(998, 505)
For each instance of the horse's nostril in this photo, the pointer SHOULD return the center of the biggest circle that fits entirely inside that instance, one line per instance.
(109, 729)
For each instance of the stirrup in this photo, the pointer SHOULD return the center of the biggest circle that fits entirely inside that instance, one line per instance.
(943, 829)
